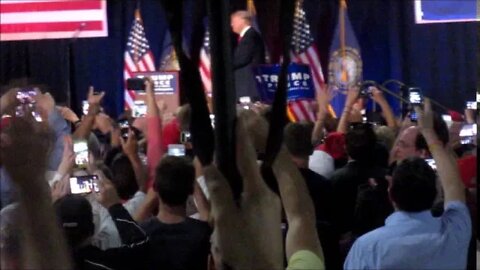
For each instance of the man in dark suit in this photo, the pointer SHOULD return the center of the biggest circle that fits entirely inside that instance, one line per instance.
(249, 52)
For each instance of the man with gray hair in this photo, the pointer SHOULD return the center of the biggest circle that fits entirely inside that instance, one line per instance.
(249, 52)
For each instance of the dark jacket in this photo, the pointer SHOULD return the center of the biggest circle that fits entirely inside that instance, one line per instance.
(249, 52)
(347, 182)
(129, 256)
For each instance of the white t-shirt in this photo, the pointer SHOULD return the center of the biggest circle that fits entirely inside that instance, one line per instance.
(322, 163)
(106, 234)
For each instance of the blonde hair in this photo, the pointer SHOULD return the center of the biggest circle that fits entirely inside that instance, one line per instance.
(245, 15)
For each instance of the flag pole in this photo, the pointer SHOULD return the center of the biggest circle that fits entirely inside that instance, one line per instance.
(343, 7)
(251, 7)
(137, 17)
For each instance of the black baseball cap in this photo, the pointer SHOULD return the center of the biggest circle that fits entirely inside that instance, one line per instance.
(75, 216)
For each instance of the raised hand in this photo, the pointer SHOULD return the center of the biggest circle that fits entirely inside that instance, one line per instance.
(94, 101)
(45, 102)
(377, 95)
(324, 96)
(68, 114)
(68, 158)
(352, 96)
(61, 188)
(243, 231)
(425, 116)
(130, 145)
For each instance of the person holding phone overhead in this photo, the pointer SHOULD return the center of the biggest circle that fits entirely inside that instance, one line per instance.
(249, 52)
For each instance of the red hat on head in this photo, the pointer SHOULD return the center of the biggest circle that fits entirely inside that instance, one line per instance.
(171, 133)
(334, 145)
(456, 116)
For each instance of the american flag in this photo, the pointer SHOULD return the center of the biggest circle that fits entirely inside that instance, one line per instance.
(50, 19)
(138, 57)
(305, 52)
(204, 65)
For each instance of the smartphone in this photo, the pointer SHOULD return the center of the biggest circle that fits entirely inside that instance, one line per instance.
(415, 96)
(431, 163)
(413, 116)
(26, 96)
(469, 130)
(124, 128)
(471, 105)
(139, 109)
(176, 150)
(447, 118)
(366, 92)
(136, 84)
(84, 184)
(85, 107)
(245, 100)
(80, 148)
(185, 137)
(467, 140)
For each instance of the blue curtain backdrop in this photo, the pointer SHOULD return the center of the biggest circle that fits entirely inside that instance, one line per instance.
(439, 58)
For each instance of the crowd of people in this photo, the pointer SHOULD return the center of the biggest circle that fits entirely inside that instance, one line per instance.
(352, 193)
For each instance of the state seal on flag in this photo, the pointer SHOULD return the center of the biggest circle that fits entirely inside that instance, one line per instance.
(344, 69)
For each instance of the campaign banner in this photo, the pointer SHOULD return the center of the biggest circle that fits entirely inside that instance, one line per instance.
(428, 11)
(299, 84)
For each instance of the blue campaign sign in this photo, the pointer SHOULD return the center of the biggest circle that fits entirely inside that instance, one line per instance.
(300, 84)
(428, 11)
(165, 82)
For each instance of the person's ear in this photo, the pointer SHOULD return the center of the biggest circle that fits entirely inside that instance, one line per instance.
(390, 197)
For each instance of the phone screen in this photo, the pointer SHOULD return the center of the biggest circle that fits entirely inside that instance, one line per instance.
(84, 184)
(245, 100)
(471, 105)
(26, 96)
(124, 128)
(139, 109)
(85, 107)
(176, 150)
(468, 130)
(447, 118)
(413, 116)
(415, 97)
(431, 163)
(81, 153)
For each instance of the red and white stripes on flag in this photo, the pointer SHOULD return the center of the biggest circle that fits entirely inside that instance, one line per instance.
(50, 19)
(305, 52)
(310, 57)
(205, 66)
(300, 110)
(138, 57)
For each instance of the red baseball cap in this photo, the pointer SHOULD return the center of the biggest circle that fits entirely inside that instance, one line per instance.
(334, 145)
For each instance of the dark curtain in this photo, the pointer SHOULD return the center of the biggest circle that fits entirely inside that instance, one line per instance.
(439, 58)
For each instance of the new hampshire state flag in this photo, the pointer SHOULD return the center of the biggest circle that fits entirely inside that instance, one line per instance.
(345, 65)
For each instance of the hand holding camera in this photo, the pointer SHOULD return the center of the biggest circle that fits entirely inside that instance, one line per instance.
(94, 99)
(130, 145)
